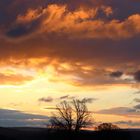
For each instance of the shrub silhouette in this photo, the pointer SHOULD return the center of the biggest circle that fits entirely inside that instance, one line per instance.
(106, 126)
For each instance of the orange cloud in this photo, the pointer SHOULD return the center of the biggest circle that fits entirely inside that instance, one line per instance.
(55, 34)
(81, 23)
(32, 14)
(14, 79)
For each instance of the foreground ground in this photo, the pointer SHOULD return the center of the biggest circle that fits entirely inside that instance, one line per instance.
(45, 134)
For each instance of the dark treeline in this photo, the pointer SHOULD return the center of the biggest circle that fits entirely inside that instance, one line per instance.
(47, 134)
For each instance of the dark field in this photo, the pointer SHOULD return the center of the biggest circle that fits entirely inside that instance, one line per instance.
(45, 134)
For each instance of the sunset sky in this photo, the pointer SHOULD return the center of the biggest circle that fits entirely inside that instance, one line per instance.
(55, 50)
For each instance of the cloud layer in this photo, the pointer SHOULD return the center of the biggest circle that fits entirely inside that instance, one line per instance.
(93, 38)
(14, 118)
(122, 111)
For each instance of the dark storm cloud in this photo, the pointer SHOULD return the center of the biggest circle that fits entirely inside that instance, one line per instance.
(96, 53)
(137, 106)
(16, 118)
(103, 52)
(137, 76)
(116, 74)
(22, 30)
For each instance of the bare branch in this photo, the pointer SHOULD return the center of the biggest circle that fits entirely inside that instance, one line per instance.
(72, 115)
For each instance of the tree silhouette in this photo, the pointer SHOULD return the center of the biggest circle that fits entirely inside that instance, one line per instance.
(63, 119)
(107, 126)
(72, 115)
(82, 114)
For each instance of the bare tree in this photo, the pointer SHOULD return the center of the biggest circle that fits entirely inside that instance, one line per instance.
(82, 114)
(63, 118)
(71, 115)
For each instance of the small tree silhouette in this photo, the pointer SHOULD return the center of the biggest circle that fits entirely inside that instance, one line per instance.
(106, 126)
(71, 115)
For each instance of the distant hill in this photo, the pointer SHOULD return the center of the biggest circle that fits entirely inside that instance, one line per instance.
(47, 134)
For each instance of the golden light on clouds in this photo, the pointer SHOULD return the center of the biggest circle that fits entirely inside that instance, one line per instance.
(81, 23)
